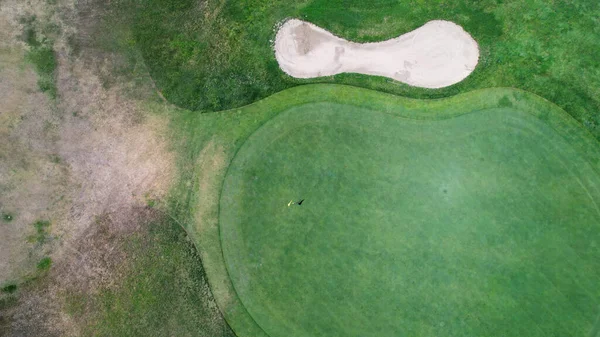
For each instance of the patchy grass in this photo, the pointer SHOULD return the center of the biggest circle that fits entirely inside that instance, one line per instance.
(150, 202)
(7, 217)
(10, 288)
(44, 61)
(41, 54)
(162, 291)
(44, 264)
(158, 280)
(6, 302)
(372, 216)
(214, 55)
(107, 44)
(210, 55)
(29, 34)
(55, 159)
(41, 232)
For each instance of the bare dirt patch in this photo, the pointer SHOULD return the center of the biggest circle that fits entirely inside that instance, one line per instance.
(89, 161)
(435, 55)
(32, 177)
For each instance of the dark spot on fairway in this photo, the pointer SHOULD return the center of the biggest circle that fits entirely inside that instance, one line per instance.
(445, 190)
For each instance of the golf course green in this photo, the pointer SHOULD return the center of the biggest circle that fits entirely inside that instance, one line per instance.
(476, 215)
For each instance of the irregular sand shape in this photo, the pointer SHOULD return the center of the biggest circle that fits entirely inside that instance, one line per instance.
(435, 55)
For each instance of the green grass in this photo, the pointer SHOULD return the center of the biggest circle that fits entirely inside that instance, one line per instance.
(163, 291)
(9, 288)
(40, 55)
(351, 260)
(438, 228)
(44, 61)
(215, 55)
(41, 232)
(44, 264)
(159, 288)
(207, 56)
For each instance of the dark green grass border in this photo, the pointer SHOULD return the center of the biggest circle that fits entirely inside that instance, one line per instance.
(246, 120)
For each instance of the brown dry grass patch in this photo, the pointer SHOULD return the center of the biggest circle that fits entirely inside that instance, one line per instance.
(89, 162)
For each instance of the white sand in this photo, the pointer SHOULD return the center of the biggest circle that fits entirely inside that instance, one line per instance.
(435, 55)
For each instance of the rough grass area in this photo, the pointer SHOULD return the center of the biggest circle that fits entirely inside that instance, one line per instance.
(162, 290)
(80, 180)
(214, 55)
(438, 274)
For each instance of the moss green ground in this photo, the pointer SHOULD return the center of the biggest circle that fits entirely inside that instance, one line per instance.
(213, 55)
(460, 216)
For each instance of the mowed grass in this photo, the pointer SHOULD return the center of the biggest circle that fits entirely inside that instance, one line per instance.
(214, 55)
(474, 215)
(483, 224)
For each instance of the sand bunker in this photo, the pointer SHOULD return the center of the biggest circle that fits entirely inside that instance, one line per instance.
(435, 55)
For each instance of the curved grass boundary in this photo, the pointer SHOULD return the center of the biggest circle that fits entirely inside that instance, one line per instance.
(209, 172)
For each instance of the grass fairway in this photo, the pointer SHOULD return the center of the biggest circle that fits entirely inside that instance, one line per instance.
(473, 215)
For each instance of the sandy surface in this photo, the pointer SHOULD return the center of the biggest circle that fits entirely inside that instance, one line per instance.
(435, 55)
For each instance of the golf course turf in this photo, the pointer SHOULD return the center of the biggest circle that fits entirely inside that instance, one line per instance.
(216, 55)
(472, 215)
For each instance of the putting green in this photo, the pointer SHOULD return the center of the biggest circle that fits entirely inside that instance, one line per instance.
(459, 217)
